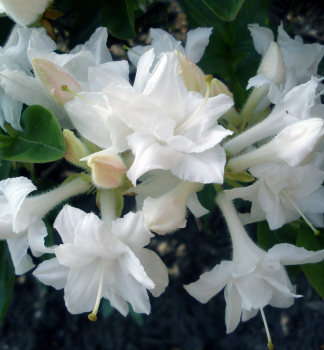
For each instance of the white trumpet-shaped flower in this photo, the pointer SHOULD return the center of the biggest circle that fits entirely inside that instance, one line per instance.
(162, 42)
(295, 145)
(174, 129)
(282, 193)
(16, 212)
(95, 261)
(254, 278)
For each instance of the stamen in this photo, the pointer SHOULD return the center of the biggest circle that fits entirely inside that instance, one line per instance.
(208, 80)
(93, 315)
(316, 232)
(270, 344)
(66, 89)
(129, 49)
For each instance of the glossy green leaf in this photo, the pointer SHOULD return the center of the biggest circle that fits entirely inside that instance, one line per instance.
(4, 169)
(41, 140)
(7, 279)
(118, 17)
(227, 10)
(268, 238)
(313, 272)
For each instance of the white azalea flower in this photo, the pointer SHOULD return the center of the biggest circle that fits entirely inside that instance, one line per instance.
(303, 57)
(282, 193)
(95, 261)
(254, 278)
(13, 56)
(295, 145)
(294, 106)
(16, 209)
(162, 41)
(53, 70)
(174, 129)
(24, 12)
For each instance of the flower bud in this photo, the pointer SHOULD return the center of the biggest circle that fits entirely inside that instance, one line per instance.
(295, 145)
(53, 77)
(218, 87)
(75, 149)
(193, 76)
(272, 65)
(108, 169)
(168, 213)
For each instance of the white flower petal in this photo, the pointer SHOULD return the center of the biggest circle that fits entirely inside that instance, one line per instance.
(197, 41)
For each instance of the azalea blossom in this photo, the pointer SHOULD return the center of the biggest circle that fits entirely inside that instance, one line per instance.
(254, 278)
(95, 261)
(304, 58)
(174, 129)
(162, 42)
(295, 145)
(282, 193)
(13, 56)
(53, 70)
(16, 211)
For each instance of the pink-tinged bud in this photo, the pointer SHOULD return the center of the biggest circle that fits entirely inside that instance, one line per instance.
(53, 77)
(168, 213)
(75, 149)
(272, 65)
(295, 145)
(192, 75)
(108, 169)
(218, 88)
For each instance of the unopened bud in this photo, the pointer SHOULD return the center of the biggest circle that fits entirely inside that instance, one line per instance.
(53, 77)
(75, 149)
(108, 169)
(168, 213)
(218, 88)
(192, 75)
(295, 145)
(272, 65)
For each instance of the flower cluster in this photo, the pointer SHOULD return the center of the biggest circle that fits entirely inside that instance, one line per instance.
(162, 139)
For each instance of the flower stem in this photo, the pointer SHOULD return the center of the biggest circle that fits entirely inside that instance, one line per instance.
(316, 232)
(93, 315)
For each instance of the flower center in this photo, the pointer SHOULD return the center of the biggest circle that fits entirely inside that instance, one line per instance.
(208, 80)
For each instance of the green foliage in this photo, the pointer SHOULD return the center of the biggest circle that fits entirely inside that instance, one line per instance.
(7, 279)
(268, 238)
(207, 199)
(313, 272)
(230, 54)
(227, 10)
(4, 169)
(118, 17)
(41, 140)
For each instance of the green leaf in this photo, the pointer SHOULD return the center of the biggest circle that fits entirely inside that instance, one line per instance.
(41, 140)
(7, 279)
(118, 17)
(137, 318)
(313, 272)
(227, 10)
(4, 169)
(268, 238)
(207, 199)
(106, 308)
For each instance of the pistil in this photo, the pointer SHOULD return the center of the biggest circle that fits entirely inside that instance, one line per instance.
(316, 232)
(270, 344)
(208, 80)
(93, 315)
